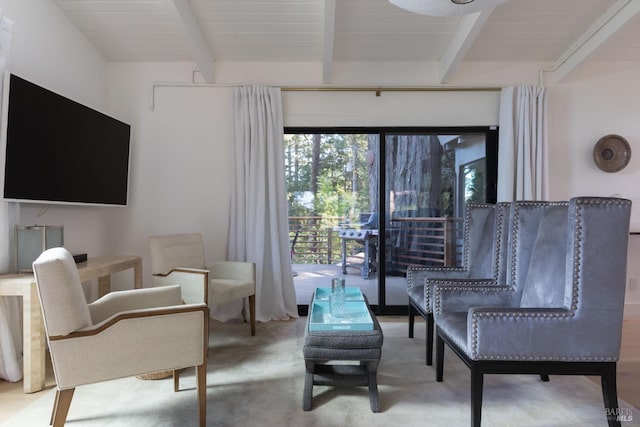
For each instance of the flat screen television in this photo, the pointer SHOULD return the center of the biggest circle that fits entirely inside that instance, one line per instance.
(56, 150)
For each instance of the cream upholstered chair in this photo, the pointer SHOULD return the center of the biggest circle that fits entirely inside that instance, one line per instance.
(559, 310)
(122, 334)
(178, 259)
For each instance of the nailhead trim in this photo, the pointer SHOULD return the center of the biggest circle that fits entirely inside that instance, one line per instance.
(467, 234)
(427, 289)
(453, 286)
(435, 269)
(499, 235)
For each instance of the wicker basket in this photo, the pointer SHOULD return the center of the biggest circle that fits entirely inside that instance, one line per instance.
(155, 375)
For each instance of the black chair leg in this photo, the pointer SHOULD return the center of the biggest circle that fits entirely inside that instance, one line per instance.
(610, 396)
(439, 357)
(412, 315)
(429, 339)
(544, 377)
(476, 397)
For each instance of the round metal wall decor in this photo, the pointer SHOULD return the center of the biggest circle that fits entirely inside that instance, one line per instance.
(612, 153)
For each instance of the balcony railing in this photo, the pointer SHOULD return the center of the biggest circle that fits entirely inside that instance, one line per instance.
(419, 241)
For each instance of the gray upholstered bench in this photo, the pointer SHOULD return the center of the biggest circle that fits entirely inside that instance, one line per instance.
(321, 348)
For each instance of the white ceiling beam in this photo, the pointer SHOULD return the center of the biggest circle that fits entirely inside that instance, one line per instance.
(182, 13)
(460, 43)
(328, 40)
(596, 35)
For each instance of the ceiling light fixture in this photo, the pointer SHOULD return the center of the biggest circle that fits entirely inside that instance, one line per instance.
(446, 7)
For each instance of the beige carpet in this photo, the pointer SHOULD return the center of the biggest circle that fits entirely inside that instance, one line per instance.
(258, 381)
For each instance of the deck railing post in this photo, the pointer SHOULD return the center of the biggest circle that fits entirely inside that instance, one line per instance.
(329, 244)
(449, 243)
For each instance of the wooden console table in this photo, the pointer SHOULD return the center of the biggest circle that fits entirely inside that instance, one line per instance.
(24, 285)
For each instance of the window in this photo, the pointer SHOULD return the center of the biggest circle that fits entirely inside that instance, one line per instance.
(366, 211)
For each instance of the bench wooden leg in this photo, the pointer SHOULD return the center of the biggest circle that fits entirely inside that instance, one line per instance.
(307, 394)
(374, 398)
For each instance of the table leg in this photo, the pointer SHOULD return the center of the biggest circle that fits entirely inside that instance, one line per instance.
(104, 286)
(33, 342)
(137, 275)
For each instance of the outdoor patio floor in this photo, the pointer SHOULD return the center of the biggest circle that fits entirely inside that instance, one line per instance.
(308, 277)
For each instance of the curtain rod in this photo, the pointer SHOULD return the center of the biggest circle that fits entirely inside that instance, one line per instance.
(377, 89)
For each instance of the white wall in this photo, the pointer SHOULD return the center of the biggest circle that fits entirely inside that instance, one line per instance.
(180, 160)
(605, 99)
(47, 50)
(601, 99)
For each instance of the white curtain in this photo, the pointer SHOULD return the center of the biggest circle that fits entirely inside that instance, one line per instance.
(259, 229)
(522, 146)
(10, 307)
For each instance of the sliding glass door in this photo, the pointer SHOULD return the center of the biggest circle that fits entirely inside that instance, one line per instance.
(429, 176)
(344, 223)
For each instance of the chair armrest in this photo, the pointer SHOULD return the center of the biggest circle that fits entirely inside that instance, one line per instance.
(132, 343)
(539, 334)
(454, 277)
(136, 299)
(416, 276)
(234, 270)
(461, 295)
(107, 323)
(193, 282)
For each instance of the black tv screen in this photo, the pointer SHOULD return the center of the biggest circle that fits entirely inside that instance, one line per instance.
(60, 151)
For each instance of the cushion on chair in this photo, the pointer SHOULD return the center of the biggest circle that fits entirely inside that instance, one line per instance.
(454, 326)
(65, 307)
(222, 291)
(176, 250)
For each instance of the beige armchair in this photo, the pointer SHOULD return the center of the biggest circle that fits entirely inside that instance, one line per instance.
(178, 259)
(122, 334)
